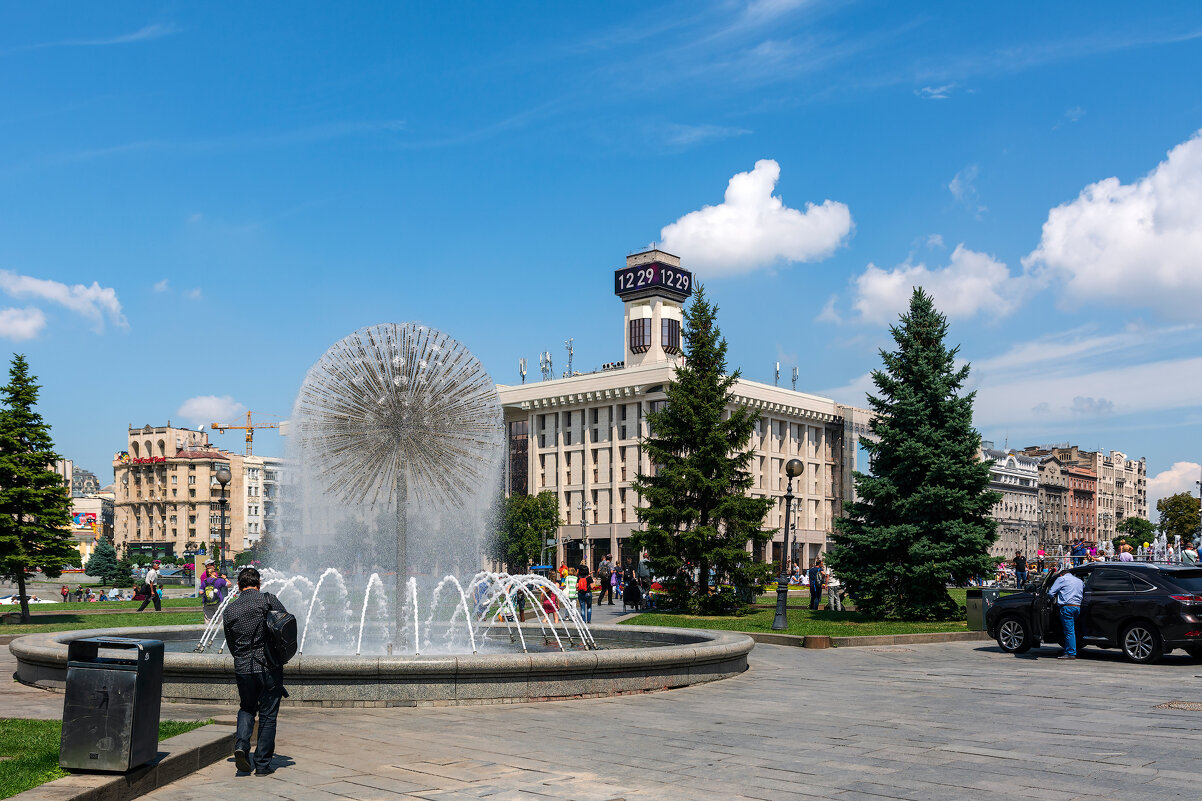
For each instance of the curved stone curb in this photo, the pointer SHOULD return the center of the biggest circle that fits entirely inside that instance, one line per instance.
(875, 639)
(686, 656)
(178, 756)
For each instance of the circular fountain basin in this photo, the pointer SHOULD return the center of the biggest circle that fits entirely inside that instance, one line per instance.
(631, 659)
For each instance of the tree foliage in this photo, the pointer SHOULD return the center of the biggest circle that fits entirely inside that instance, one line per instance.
(698, 513)
(1179, 516)
(527, 521)
(923, 515)
(35, 503)
(104, 563)
(1133, 531)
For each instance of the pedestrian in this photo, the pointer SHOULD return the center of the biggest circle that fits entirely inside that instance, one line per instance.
(213, 589)
(150, 588)
(615, 583)
(1020, 570)
(1067, 590)
(834, 590)
(632, 595)
(1189, 554)
(604, 572)
(1125, 553)
(550, 607)
(260, 681)
(643, 570)
(65, 593)
(814, 576)
(584, 593)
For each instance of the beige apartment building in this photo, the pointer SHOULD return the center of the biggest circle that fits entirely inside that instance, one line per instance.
(167, 494)
(1122, 489)
(578, 436)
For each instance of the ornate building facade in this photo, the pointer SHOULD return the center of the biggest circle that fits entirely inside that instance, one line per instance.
(1016, 477)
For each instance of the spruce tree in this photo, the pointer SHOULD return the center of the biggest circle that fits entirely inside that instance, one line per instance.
(923, 515)
(35, 505)
(104, 564)
(697, 512)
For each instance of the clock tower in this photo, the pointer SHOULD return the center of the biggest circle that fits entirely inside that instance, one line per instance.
(654, 288)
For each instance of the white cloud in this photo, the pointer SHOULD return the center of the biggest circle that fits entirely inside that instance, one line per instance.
(206, 409)
(935, 92)
(963, 187)
(194, 294)
(1178, 478)
(91, 302)
(1131, 244)
(935, 241)
(19, 324)
(829, 313)
(160, 286)
(971, 283)
(752, 228)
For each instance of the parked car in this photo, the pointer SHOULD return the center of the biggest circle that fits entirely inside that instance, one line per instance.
(1147, 610)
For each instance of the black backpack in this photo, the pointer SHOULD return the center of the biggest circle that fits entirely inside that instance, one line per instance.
(281, 637)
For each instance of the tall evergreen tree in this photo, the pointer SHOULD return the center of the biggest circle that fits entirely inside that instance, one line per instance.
(104, 564)
(697, 511)
(923, 514)
(35, 505)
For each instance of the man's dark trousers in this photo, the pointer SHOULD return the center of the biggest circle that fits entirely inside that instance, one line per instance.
(153, 596)
(815, 596)
(606, 587)
(259, 693)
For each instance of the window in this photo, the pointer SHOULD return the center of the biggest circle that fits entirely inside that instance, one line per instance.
(1110, 581)
(640, 335)
(191, 479)
(174, 479)
(670, 335)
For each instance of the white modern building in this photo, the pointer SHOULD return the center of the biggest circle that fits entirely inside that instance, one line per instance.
(578, 436)
(1016, 477)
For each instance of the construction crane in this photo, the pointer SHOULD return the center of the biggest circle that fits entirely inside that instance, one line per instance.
(249, 428)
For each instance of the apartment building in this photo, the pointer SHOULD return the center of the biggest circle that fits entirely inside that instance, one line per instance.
(1016, 477)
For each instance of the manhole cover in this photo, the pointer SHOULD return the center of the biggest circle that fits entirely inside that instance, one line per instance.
(1188, 706)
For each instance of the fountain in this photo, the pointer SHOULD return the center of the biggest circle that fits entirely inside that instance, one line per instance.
(396, 452)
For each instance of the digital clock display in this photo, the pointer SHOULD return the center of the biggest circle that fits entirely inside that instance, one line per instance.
(653, 275)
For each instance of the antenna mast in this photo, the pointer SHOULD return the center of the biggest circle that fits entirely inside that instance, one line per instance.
(568, 344)
(522, 369)
(794, 379)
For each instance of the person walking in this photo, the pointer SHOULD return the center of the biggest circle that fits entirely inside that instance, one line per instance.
(834, 592)
(260, 681)
(65, 593)
(604, 572)
(1020, 570)
(814, 576)
(213, 589)
(150, 588)
(1067, 590)
(584, 593)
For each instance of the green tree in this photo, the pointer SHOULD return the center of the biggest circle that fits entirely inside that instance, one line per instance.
(527, 522)
(104, 564)
(923, 517)
(125, 576)
(35, 505)
(1180, 516)
(1133, 531)
(698, 513)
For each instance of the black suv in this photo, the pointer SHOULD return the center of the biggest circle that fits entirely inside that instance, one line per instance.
(1146, 610)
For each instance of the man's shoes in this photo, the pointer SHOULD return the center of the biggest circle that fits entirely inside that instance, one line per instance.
(1066, 656)
(265, 771)
(242, 761)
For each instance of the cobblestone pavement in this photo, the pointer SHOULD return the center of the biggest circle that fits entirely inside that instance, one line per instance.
(952, 721)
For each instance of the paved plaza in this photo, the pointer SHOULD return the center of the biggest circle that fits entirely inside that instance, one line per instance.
(949, 721)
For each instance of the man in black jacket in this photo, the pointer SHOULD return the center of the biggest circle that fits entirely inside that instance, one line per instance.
(260, 681)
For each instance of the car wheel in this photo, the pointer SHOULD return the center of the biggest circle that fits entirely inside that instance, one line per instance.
(1013, 636)
(1141, 643)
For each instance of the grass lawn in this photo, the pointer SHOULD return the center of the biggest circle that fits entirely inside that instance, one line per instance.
(68, 621)
(801, 621)
(29, 751)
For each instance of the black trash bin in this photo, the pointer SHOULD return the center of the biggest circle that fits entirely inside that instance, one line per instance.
(111, 706)
(977, 603)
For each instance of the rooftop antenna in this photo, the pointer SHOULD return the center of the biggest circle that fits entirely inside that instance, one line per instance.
(776, 381)
(522, 369)
(794, 379)
(567, 343)
(544, 363)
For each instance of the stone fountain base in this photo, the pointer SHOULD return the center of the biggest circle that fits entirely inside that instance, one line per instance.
(666, 658)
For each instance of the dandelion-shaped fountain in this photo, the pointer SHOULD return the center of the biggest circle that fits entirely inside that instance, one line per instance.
(397, 410)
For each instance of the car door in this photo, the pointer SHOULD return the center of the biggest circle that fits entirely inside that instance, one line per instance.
(1107, 602)
(1046, 615)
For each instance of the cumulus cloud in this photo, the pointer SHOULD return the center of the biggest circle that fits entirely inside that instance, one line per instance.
(752, 228)
(205, 409)
(1178, 478)
(1131, 244)
(94, 303)
(972, 283)
(19, 324)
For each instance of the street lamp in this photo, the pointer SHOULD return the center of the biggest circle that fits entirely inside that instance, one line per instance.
(793, 469)
(223, 478)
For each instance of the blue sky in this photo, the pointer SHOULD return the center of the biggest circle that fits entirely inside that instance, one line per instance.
(196, 201)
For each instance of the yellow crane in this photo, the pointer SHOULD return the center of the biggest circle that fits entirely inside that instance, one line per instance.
(249, 428)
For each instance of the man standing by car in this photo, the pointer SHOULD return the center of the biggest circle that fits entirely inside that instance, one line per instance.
(260, 681)
(1067, 590)
(1020, 570)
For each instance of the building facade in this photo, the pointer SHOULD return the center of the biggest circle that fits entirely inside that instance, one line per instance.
(83, 483)
(579, 436)
(168, 497)
(1122, 483)
(1016, 477)
(1067, 505)
(91, 519)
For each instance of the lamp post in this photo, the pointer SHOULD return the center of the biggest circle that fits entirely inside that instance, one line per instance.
(793, 469)
(223, 478)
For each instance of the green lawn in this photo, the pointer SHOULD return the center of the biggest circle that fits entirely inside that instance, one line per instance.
(29, 751)
(801, 622)
(68, 621)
